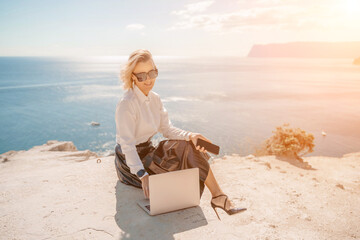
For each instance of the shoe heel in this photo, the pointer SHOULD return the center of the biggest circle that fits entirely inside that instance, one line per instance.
(215, 211)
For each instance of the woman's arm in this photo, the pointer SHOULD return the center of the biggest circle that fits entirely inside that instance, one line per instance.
(125, 130)
(167, 129)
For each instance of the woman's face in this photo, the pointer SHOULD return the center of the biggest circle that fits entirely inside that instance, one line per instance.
(147, 85)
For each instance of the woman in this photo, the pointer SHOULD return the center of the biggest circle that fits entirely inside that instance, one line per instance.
(140, 114)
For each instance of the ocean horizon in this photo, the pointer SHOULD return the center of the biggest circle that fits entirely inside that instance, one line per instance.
(236, 102)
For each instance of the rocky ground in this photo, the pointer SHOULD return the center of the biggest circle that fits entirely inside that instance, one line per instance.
(54, 191)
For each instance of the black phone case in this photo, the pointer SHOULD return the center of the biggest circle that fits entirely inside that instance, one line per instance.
(208, 146)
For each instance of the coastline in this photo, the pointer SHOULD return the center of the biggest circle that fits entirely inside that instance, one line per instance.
(55, 191)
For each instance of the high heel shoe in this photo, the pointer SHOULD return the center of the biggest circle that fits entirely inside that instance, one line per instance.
(230, 211)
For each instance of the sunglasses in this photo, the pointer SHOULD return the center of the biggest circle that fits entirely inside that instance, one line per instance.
(143, 75)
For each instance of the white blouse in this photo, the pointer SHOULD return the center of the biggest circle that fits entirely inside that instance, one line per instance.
(138, 118)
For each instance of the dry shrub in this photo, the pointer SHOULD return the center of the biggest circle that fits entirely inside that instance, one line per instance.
(287, 142)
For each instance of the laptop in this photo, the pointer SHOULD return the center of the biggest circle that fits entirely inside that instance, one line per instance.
(172, 191)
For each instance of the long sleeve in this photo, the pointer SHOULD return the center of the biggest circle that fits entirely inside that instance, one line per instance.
(125, 130)
(167, 129)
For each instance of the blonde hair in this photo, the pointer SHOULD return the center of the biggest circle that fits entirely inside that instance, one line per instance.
(139, 55)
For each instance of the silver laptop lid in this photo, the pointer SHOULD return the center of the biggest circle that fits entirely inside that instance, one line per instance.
(174, 190)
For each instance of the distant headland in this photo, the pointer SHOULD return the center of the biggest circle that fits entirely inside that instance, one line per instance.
(307, 50)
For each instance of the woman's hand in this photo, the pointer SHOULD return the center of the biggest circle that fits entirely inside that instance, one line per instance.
(194, 137)
(145, 186)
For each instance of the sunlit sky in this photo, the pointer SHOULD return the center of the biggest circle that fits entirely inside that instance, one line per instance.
(169, 28)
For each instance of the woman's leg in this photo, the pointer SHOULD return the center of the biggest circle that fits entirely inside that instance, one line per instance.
(215, 190)
(212, 184)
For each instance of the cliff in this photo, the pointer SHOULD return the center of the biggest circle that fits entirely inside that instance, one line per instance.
(54, 191)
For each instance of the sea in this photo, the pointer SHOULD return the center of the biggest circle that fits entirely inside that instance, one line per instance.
(236, 102)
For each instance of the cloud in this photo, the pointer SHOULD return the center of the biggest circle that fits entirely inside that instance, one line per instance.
(135, 26)
(193, 8)
(260, 14)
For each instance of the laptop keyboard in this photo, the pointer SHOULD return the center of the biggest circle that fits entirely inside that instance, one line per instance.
(148, 207)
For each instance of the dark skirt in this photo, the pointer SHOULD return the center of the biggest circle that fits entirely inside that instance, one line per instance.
(168, 155)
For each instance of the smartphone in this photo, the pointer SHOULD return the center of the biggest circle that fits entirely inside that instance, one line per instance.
(208, 146)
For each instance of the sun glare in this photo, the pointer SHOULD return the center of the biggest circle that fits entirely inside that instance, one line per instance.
(352, 6)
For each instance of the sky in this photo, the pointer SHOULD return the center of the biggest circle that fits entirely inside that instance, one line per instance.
(169, 27)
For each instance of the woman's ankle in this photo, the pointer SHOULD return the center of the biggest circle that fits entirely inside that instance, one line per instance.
(217, 193)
